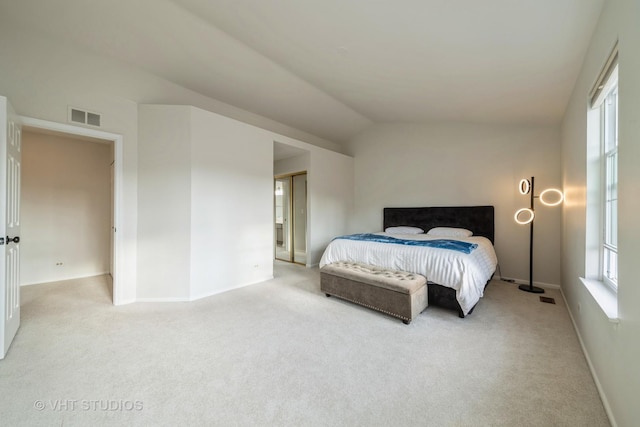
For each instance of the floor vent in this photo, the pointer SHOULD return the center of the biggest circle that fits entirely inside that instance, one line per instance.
(547, 300)
(77, 115)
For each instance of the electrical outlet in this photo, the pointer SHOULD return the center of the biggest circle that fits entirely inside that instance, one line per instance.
(58, 263)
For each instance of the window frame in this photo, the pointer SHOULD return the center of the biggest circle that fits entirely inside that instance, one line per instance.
(608, 153)
(602, 291)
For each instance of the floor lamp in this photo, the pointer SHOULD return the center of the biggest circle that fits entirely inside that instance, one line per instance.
(528, 187)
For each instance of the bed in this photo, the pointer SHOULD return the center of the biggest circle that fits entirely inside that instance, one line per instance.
(455, 279)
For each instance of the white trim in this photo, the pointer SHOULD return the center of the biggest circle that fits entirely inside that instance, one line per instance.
(72, 129)
(603, 396)
(220, 291)
(204, 295)
(605, 182)
(119, 247)
(611, 65)
(604, 296)
(64, 279)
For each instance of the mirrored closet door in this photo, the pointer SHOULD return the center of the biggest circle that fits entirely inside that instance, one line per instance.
(290, 228)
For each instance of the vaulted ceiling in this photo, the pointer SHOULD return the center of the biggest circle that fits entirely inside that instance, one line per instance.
(334, 67)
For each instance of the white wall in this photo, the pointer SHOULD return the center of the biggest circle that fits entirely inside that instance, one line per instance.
(330, 185)
(164, 202)
(205, 207)
(300, 212)
(232, 204)
(611, 349)
(291, 165)
(205, 212)
(41, 78)
(402, 165)
(66, 206)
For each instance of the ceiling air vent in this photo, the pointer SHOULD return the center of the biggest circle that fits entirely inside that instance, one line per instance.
(77, 115)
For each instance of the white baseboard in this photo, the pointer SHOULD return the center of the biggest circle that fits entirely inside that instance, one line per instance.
(206, 294)
(64, 279)
(231, 288)
(162, 300)
(603, 396)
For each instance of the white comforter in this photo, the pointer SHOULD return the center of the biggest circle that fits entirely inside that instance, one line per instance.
(466, 273)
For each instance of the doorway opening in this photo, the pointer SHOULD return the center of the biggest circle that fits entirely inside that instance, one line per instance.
(111, 240)
(290, 213)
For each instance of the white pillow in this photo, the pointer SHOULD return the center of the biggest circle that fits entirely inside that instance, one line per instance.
(450, 232)
(404, 230)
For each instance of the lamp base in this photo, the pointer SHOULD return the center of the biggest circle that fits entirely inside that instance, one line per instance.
(530, 288)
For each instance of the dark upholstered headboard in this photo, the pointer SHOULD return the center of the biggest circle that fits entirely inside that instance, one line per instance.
(478, 219)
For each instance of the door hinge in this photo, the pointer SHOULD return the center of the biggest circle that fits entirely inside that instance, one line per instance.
(1, 240)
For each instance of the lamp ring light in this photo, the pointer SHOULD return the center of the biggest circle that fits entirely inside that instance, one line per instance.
(529, 219)
(525, 186)
(553, 203)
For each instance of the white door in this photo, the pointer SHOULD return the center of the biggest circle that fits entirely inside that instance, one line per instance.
(10, 150)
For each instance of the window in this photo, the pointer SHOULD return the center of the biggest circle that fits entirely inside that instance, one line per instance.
(601, 237)
(609, 143)
(602, 174)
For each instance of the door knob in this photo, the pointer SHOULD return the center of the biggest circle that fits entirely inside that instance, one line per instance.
(13, 239)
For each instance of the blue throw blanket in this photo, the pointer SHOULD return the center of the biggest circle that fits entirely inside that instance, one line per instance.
(454, 245)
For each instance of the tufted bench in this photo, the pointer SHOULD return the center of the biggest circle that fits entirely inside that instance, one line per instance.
(397, 293)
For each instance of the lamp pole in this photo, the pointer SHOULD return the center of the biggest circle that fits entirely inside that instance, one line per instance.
(530, 287)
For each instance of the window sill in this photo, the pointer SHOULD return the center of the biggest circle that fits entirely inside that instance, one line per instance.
(606, 298)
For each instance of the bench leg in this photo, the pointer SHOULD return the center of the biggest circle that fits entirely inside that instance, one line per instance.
(327, 295)
(406, 322)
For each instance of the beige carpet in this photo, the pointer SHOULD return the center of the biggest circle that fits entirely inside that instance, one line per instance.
(281, 353)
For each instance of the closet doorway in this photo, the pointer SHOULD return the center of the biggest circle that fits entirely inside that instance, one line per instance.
(116, 246)
(290, 228)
